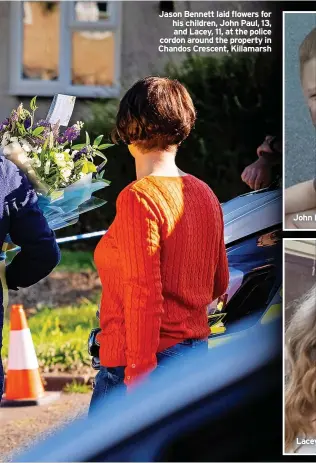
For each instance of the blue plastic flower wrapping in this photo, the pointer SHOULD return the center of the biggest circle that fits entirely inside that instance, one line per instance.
(63, 207)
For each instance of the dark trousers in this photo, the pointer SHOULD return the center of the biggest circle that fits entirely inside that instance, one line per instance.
(111, 378)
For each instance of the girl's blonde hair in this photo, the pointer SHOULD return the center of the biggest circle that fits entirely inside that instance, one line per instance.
(300, 392)
(307, 49)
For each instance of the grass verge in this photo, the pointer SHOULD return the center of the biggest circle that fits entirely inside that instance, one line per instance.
(77, 388)
(60, 337)
(76, 261)
(71, 261)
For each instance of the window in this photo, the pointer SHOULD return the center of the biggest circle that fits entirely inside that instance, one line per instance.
(65, 47)
(166, 6)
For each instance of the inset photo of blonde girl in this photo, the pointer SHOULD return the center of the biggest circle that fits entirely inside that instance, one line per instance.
(300, 346)
(299, 120)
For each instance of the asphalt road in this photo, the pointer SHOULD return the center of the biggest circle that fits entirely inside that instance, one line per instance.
(22, 427)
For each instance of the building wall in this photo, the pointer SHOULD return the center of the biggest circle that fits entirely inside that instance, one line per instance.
(141, 30)
(298, 280)
(6, 102)
(301, 247)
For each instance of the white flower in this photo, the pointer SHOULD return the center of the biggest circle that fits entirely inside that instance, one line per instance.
(47, 167)
(36, 162)
(66, 174)
(79, 124)
(60, 159)
(13, 139)
(5, 139)
(12, 148)
(26, 146)
(39, 150)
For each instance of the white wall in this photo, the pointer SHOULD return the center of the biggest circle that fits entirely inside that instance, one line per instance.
(301, 248)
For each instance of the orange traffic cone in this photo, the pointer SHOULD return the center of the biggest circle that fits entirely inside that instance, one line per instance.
(23, 382)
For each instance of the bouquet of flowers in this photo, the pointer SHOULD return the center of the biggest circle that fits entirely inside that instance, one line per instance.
(63, 173)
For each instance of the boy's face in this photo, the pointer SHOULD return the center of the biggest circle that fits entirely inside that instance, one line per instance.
(309, 87)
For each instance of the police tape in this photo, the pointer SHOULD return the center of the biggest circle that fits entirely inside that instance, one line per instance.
(68, 239)
(83, 236)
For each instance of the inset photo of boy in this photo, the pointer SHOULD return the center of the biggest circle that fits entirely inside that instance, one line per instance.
(299, 91)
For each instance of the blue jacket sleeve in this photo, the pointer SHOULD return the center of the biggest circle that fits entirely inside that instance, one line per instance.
(28, 229)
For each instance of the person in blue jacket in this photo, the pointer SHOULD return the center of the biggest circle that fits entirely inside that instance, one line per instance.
(21, 218)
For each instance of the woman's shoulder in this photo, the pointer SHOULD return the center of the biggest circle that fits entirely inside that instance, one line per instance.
(141, 189)
(127, 191)
(147, 185)
(140, 194)
(133, 192)
(157, 189)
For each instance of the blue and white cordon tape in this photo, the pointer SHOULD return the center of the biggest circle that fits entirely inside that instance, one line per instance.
(83, 236)
(67, 239)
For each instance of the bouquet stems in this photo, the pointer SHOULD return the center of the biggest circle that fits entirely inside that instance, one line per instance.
(19, 157)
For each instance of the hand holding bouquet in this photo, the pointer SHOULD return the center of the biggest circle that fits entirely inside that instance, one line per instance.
(63, 173)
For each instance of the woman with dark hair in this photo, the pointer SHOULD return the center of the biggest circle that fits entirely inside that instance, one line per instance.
(163, 259)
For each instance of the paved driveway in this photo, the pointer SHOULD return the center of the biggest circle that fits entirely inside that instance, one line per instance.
(20, 427)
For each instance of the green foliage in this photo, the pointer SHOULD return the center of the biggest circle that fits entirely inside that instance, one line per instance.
(37, 131)
(236, 108)
(33, 104)
(77, 388)
(238, 102)
(60, 337)
(98, 140)
(77, 261)
(71, 261)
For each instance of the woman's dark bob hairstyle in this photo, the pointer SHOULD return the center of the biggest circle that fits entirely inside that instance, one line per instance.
(156, 112)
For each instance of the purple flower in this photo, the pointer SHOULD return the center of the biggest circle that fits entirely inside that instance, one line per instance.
(4, 124)
(14, 116)
(35, 140)
(70, 134)
(42, 123)
(27, 123)
(80, 153)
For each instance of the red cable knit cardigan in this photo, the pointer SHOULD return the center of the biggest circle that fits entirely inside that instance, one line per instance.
(162, 261)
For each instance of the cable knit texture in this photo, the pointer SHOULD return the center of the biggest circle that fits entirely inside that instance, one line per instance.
(161, 263)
